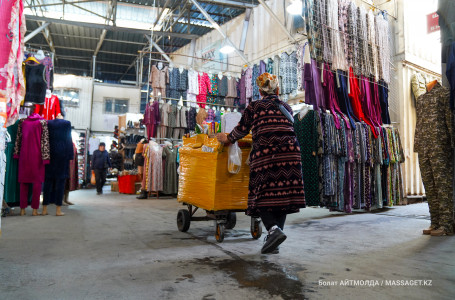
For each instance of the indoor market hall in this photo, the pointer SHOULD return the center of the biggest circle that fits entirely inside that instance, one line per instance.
(227, 149)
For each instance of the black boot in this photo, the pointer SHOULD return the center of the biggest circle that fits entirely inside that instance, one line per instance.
(143, 195)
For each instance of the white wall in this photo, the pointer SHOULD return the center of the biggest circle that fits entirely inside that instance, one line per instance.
(265, 38)
(420, 47)
(79, 117)
(104, 122)
(416, 46)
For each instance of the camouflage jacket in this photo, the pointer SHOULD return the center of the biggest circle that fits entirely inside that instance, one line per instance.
(434, 121)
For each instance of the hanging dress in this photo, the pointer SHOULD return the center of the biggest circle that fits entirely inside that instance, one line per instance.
(307, 135)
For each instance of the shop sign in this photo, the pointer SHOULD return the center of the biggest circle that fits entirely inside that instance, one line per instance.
(212, 58)
(433, 22)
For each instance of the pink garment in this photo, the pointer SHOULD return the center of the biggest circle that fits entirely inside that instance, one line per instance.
(36, 192)
(366, 105)
(154, 181)
(205, 87)
(330, 96)
(12, 31)
(5, 43)
(201, 100)
(32, 149)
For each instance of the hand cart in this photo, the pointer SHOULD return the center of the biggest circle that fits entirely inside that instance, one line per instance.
(226, 219)
(206, 184)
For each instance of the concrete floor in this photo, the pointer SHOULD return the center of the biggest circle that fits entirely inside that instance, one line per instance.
(116, 247)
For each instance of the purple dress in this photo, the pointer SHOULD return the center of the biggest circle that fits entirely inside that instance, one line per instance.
(32, 149)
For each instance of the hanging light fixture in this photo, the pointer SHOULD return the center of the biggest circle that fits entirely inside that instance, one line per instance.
(295, 8)
(226, 48)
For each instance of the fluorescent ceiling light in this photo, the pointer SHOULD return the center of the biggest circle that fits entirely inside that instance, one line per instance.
(226, 49)
(295, 8)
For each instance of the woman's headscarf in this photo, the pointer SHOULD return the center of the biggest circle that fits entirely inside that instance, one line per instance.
(267, 83)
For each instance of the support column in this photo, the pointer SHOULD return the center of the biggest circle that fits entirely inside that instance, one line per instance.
(94, 66)
(246, 25)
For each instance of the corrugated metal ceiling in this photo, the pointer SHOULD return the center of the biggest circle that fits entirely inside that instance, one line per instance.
(75, 45)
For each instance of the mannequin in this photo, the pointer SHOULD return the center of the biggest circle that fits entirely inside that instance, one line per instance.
(35, 81)
(220, 75)
(305, 110)
(170, 184)
(434, 143)
(154, 155)
(431, 85)
(160, 65)
(32, 156)
(140, 160)
(57, 171)
(418, 85)
(40, 55)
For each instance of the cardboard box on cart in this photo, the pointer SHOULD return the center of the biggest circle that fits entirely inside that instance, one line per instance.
(204, 178)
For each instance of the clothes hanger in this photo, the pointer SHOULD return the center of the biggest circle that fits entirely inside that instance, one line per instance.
(32, 59)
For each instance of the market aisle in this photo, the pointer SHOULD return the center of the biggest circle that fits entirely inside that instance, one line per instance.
(116, 247)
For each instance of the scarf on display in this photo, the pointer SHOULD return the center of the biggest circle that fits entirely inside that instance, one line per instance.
(15, 88)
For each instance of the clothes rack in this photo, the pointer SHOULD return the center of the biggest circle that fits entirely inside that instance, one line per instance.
(196, 57)
(207, 103)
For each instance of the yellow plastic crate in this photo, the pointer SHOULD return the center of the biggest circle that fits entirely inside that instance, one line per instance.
(205, 181)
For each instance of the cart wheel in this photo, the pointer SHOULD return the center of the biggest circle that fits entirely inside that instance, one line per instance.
(219, 234)
(183, 220)
(231, 220)
(256, 228)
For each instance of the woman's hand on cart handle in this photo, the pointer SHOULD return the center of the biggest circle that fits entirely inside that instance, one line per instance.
(222, 138)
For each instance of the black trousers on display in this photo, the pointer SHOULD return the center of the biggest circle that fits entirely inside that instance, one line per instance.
(53, 191)
(272, 218)
(100, 177)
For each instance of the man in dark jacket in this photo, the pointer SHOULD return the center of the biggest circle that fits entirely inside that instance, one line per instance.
(100, 163)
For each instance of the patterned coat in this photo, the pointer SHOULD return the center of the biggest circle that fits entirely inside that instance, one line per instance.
(276, 180)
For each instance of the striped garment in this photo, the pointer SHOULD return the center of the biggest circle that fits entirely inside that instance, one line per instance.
(276, 180)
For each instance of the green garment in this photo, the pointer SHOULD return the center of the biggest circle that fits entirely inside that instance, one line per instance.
(11, 194)
(170, 184)
(307, 134)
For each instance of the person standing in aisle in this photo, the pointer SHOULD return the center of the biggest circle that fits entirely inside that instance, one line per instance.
(100, 164)
(276, 180)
